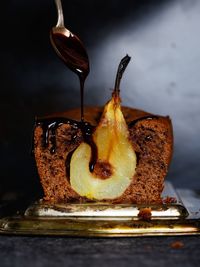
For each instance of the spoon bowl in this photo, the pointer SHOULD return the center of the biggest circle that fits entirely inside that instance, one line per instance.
(68, 46)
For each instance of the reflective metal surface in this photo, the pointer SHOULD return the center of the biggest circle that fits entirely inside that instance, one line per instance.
(111, 212)
(108, 220)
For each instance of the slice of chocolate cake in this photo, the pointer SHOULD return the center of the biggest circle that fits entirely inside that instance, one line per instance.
(114, 156)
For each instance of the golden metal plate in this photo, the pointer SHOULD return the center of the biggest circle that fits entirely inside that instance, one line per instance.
(100, 219)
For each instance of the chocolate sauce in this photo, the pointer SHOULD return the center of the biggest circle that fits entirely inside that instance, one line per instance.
(87, 130)
(87, 137)
(67, 163)
(49, 127)
(71, 50)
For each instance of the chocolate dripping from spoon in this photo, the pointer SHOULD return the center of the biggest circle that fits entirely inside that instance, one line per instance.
(71, 50)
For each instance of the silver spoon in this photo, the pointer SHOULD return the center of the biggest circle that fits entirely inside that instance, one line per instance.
(70, 49)
(68, 46)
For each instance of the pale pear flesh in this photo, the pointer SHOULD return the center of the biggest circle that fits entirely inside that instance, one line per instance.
(114, 147)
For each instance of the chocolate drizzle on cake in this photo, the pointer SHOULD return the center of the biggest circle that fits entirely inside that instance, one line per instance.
(50, 125)
(87, 131)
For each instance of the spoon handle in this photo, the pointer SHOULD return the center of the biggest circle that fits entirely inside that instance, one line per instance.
(60, 22)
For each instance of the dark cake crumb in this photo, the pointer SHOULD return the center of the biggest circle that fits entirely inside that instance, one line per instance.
(177, 244)
(145, 214)
(169, 200)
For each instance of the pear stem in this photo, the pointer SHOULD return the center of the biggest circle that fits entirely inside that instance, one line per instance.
(121, 68)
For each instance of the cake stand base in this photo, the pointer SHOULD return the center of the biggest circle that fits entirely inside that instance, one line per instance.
(178, 215)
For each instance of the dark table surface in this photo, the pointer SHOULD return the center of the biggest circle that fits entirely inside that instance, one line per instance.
(67, 251)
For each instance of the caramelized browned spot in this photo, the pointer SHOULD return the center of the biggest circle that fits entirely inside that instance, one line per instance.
(102, 170)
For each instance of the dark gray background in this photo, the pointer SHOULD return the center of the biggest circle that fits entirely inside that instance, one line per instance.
(163, 39)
